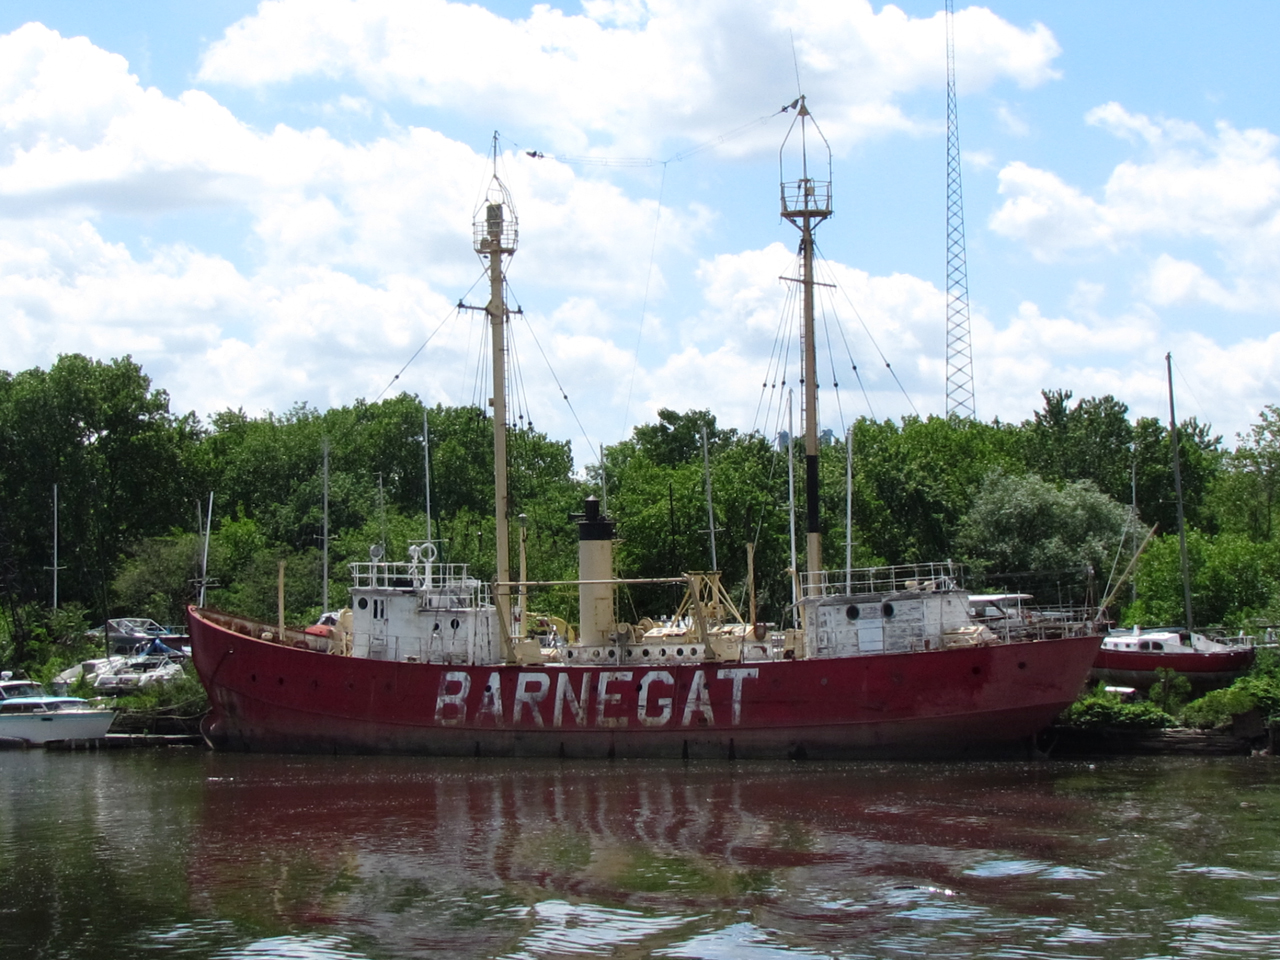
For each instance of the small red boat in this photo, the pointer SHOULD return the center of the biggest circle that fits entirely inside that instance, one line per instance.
(1130, 658)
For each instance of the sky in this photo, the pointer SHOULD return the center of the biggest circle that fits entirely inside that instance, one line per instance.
(270, 204)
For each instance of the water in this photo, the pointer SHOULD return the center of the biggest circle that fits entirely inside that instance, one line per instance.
(191, 854)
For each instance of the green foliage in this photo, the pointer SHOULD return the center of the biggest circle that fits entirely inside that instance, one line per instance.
(1258, 689)
(120, 459)
(1039, 496)
(1246, 497)
(1234, 580)
(1217, 707)
(1099, 709)
(1170, 691)
(1029, 524)
(42, 642)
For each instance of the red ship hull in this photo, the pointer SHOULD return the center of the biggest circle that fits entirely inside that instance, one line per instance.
(1205, 671)
(954, 702)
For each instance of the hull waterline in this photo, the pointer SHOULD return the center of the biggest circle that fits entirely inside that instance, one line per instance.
(966, 701)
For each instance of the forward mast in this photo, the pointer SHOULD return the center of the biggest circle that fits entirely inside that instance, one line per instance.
(806, 202)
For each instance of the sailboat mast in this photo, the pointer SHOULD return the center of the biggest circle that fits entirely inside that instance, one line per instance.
(791, 494)
(1177, 490)
(495, 235)
(806, 202)
(324, 574)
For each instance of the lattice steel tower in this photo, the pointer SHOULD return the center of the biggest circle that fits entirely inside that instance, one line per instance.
(959, 353)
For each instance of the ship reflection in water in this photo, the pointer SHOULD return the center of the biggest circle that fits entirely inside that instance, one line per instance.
(234, 856)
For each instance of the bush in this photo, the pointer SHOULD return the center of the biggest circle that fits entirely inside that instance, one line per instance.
(1170, 691)
(1100, 709)
(1217, 707)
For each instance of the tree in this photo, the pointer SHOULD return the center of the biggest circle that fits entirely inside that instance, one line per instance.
(1233, 581)
(1025, 525)
(1246, 494)
(124, 466)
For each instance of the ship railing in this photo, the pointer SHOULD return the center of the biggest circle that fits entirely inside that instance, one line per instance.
(891, 579)
(806, 197)
(408, 575)
(1030, 623)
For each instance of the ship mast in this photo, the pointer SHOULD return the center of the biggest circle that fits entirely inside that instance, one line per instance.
(806, 202)
(496, 235)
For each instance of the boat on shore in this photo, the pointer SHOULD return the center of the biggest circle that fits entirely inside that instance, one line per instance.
(884, 662)
(1130, 658)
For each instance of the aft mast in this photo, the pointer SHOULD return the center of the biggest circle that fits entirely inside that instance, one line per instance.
(806, 202)
(496, 235)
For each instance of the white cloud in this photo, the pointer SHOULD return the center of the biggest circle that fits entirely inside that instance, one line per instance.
(1011, 122)
(1172, 281)
(1222, 188)
(629, 74)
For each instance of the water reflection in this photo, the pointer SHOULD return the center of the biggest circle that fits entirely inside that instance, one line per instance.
(203, 855)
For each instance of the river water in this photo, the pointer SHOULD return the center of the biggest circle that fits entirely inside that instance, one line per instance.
(184, 853)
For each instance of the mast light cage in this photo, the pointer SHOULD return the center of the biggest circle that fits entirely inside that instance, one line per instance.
(496, 228)
(804, 198)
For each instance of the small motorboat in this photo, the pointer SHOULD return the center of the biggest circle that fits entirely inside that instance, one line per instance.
(130, 674)
(28, 714)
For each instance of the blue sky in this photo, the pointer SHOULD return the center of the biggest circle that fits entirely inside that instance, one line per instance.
(267, 204)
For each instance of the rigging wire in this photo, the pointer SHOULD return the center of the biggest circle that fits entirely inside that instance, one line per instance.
(1183, 377)
(831, 357)
(560, 387)
(867, 330)
(599, 161)
(423, 346)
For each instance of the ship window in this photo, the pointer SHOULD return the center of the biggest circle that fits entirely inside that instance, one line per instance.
(1144, 645)
(887, 610)
(1157, 645)
(363, 603)
(455, 623)
(644, 653)
(851, 611)
(662, 652)
(680, 651)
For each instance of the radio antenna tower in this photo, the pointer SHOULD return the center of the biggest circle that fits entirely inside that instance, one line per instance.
(959, 353)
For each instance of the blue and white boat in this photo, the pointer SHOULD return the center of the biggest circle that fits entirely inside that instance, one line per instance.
(28, 713)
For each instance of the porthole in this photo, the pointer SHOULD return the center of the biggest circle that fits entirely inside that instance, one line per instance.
(630, 653)
(680, 651)
(887, 610)
(595, 654)
(662, 652)
(436, 628)
(568, 654)
(612, 654)
(645, 652)
(851, 611)
(363, 603)
(455, 623)
(693, 651)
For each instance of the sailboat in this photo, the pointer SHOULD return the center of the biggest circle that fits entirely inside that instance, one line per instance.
(884, 662)
(1130, 658)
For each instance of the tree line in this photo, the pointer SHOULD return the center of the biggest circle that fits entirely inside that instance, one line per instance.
(1050, 506)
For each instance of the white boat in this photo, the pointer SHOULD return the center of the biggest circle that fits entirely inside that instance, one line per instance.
(27, 713)
(129, 674)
